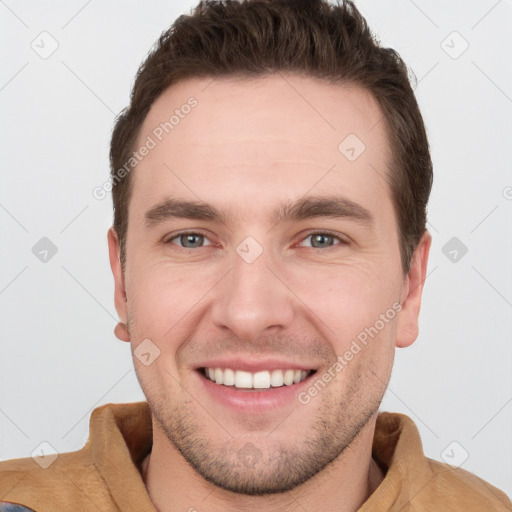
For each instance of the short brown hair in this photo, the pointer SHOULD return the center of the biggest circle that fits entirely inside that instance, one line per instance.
(310, 37)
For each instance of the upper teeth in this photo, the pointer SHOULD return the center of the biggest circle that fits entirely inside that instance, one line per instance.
(257, 380)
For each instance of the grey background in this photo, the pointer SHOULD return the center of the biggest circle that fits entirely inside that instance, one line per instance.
(59, 358)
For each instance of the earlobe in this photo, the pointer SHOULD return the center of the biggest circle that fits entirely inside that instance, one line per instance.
(121, 330)
(408, 330)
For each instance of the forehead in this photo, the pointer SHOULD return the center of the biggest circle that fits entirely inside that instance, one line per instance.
(276, 136)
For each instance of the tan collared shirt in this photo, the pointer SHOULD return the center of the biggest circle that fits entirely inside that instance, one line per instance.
(105, 474)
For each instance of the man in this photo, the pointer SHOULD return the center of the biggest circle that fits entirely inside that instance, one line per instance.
(270, 181)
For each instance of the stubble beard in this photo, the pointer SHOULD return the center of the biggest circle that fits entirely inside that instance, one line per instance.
(263, 467)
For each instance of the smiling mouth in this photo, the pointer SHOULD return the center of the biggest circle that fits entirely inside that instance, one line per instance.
(263, 380)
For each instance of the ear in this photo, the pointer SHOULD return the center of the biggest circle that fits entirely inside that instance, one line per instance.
(121, 330)
(412, 290)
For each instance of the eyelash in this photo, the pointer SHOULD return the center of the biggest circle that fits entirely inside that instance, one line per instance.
(341, 240)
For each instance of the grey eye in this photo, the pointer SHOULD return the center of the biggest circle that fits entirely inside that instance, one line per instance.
(322, 240)
(189, 240)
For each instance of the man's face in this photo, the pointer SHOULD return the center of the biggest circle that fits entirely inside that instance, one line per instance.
(251, 292)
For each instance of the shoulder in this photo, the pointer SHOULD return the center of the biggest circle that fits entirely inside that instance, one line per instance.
(97, 476)
(424, 484)
(67, 483)
(459, 489)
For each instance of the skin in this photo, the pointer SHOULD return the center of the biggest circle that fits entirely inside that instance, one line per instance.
(247, 147)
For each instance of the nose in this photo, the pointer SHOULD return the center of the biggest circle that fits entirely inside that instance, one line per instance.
(253, 300)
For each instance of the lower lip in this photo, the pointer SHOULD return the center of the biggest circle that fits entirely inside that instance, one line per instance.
(252, 401)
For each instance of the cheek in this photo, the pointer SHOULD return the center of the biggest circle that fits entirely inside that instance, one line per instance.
(347, 301)
(163, 299)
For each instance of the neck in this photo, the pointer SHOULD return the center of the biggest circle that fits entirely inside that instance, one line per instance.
(342, 487)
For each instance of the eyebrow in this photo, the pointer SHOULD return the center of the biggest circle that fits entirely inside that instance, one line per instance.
(301, 209)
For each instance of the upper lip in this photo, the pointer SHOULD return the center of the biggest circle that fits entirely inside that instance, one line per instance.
(254, 365)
